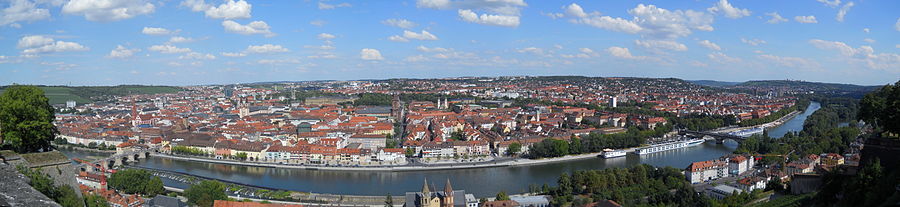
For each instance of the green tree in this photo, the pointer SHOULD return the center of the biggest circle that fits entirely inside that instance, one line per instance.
(205, 193)
(26, 118)
(514, 148)
(502, 196)
(882, 108)
(94, 200)
(133, 181)
(241, 155)
(410, 152)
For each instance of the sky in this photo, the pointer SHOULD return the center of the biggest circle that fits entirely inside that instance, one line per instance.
(194, 42)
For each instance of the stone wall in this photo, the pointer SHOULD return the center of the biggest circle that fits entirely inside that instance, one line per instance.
(14, 189)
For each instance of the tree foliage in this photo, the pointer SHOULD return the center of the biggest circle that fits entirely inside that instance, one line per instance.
(64, 195)
(136, 181)
(594, 142)
(882, 108)
(635, 186)
(205, 193)
(26, 118)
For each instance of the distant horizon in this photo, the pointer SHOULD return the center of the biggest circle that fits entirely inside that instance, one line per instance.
(453, 77)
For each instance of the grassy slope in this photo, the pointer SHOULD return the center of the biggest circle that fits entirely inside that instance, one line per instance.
(61, 94)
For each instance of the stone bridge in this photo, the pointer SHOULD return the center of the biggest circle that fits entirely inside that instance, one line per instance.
(121, 158)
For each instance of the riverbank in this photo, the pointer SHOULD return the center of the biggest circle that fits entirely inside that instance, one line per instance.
(506, 163)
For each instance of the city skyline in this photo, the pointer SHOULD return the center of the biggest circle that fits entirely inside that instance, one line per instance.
(86, 42)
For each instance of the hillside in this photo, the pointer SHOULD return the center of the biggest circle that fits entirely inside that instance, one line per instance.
(714, 83)
(88, 94)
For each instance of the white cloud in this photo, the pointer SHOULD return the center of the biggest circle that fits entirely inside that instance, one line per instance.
(157, 31)
(320, 47)
(897, 25)
(730, 11)
(22, 11)
(233, 54)
(322, 55)
(709, 45)
(622, 52)
(397, 38)
(722, 58)
(806, 19)
(325, 36)
(415, 58)
(532, 50)
(370, 54)
(753, 42)
(794, 62)
(843, 11)
(122, 52)
(36, 44)
(197, 56)
(255, 27)
(168, 49)
(401, 23)
(832, 4)
(318, 22)
(652, 22)
(325, 6)
(870, 41)
(229, 10)
(661, 44)
(575, 10)
(424, 35)
(489, 19)
(266, 48)
(866, 30)
(179, 39)
(863, 54)
(108, 10)
(433, 49)
(776, 18)
(277, 61)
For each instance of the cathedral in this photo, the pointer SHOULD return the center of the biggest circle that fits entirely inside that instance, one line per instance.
(445, 198)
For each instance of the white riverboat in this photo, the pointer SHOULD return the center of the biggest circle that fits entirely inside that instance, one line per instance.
(668, 146)
(608, 153)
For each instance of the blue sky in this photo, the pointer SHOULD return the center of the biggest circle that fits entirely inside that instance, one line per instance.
(190, 42)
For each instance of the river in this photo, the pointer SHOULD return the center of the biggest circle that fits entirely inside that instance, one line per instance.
(483, 182)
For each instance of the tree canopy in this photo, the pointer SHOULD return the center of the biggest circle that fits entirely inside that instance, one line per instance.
(26, 118)
(136, 181)
(205, 193)
(882, 108)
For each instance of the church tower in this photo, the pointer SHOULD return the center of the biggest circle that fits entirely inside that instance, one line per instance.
(448, 195)
(425, 200)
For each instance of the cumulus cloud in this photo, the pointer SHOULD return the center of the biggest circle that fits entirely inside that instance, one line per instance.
(157, 31)
(233, 54)
(651, 22)
(168, 49)
(575, 10)
(179, 39)
(661, 45)
(326, 6)
(197, 56)
(397, 38)
(325, 36)
(806, 19)
(621, 52)
(255, 27)
(424, 35)
(433, 49)
(863, 54)
(22, 11)
(489, 19)
(870, 41)
(122, 52)
(370, 54)
(753, 42)
(776, 18)
(709, 45)
(266, 48)
(228, 10)
(532, 50)
(494, 12)
(108, 10)
(401, 23)
(722, 58)
(415, 58)
(36, 44)
(833, 3)
(729, 11)
(843, 11)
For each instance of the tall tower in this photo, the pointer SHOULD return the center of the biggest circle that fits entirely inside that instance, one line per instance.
(448, 195)
(612, 102)
(425, 200)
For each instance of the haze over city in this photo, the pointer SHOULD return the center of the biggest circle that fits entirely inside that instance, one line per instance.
(86, 42)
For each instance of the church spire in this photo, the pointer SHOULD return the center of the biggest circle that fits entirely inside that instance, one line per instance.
(425, 187)
(447, 188)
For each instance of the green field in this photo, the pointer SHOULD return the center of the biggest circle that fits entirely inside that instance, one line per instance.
(88, 94)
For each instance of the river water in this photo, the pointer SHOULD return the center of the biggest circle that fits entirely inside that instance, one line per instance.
(483, 182)
(795, 124)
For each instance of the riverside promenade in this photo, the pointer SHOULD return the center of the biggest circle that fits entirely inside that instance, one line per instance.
(504, 163)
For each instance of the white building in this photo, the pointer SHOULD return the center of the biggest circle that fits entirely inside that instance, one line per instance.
(699, 172)
(740, 164)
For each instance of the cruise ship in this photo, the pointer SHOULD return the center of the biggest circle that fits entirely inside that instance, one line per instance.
(668, 146)
(608, 153)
